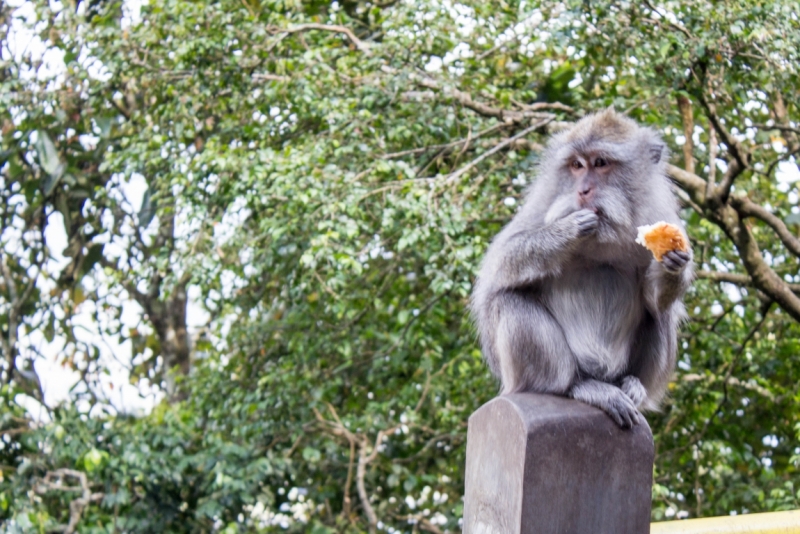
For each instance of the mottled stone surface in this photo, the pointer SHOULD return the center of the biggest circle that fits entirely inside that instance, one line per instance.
(542, 464)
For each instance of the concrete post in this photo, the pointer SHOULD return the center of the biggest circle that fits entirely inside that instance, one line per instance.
(542, 464)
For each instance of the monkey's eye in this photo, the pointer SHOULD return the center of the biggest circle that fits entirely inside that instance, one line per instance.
(576, 164)
(600, 162)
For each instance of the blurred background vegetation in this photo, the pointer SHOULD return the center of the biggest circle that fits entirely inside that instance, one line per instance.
(265, 217)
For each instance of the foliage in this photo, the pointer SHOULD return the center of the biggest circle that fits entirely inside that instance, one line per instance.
(321, 180)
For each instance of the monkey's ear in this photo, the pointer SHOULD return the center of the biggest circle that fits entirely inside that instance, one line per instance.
(655, 152)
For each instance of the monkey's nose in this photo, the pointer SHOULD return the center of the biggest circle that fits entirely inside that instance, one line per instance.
(586, 197)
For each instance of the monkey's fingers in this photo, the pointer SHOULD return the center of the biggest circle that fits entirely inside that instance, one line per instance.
(587, 221)
(675, 260)
(608, 398)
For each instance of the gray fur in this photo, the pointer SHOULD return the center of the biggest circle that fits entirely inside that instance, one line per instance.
(566, 302)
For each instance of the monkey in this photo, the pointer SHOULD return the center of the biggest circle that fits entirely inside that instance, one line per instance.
(565, 301)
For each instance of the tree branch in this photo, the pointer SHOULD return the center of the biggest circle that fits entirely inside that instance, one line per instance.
(358, 43)
(346, 499)
(741, 156)
(361, 474)
(735, 278)
(539, 106)
(55, 481)
(685, 107)
(464, 142)
(691, 183)
(13, 321)
(452, 177)
(364, 460)
(465, 99)
(720, 276)
(267, 77)
(748, 208)
(733, 224)
(713, 148)
(779, 127)
(423, 523)
(724, 189)
(782, 119)
(662, 19)
(337, 428)
(764, 278)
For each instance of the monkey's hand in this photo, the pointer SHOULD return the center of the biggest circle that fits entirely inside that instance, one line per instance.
(608, 398)
(586, 221)
(634, 389)
(675, 260)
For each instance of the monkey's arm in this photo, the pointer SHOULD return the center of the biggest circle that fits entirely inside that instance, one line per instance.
(668, 280)
(522, 255)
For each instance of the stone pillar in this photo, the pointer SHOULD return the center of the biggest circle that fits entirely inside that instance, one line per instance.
(542, 464)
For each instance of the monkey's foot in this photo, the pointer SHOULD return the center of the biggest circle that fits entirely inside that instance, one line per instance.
(634, 389)
(608, 398)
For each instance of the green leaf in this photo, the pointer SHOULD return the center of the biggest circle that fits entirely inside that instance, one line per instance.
(93, 255)
(104, 124)
(62, 205)
(311, 455)
(49, 161)
(49, 330)
(15, 169)
(94, 460)
(148, 209)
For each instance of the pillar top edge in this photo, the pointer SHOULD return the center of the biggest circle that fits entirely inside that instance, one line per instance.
(536, 410)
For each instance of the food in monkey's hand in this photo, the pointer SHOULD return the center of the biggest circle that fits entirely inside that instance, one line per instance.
(660, 238)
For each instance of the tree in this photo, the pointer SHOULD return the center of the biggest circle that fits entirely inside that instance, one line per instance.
(324, 178)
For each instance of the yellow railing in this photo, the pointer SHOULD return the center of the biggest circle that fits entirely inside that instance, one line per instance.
(771, 523)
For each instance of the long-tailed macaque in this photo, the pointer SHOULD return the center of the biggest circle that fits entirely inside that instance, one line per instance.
(566, 301)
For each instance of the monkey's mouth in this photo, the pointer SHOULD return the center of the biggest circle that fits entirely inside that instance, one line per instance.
(607, 226)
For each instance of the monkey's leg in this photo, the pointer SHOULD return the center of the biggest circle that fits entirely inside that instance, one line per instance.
(653, 356)
(608, 398)
(531, 350)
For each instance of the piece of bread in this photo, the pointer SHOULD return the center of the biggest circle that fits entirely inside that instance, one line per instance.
(660, 238)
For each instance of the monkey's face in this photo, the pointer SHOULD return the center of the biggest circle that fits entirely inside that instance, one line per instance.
(597, 181)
